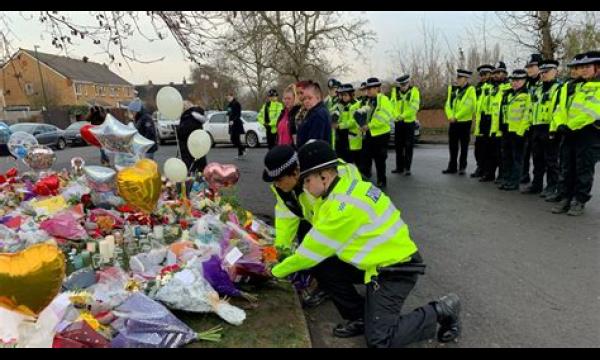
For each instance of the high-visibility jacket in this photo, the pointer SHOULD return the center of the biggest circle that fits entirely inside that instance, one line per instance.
(355, 135)
(517, 111)
(564, 99)
(406, 105)
(461, 103)
(331, 102)
(542, 109)
(585, 107)
(275, 109)
(380, 116)
(287, 222)
(484, 94)
(359, 224)
(496, 98)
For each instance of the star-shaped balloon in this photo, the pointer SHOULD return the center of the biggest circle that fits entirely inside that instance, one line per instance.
(114, 135)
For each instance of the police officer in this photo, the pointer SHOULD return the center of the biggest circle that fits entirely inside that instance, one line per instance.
(406, 100)
(343, 120)
(534, 82)
(516, 116)
(377, 129)
(544, 147)
(294, 208)
(582, 138)
(332, 99)
(501, 85)
(268, 115)
(362, 93)
(359, 231)
(460, 109)
(483, 118)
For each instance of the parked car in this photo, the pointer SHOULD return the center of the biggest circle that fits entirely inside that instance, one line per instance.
(417, 132)
(165, 128)
(217, 126)
(45, 134)
(73, 133)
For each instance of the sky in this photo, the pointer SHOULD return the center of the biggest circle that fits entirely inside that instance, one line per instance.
(393, 30)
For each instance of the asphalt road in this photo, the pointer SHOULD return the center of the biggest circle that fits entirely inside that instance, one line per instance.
(526, 277)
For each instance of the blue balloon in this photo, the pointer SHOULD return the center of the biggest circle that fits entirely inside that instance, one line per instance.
(21, 152)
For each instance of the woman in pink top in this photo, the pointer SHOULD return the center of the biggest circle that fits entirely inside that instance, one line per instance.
(286, 126)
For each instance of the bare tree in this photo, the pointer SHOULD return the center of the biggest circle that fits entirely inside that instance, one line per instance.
(581, 37)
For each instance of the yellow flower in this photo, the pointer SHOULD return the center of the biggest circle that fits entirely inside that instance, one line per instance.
(90, 320)
(80, 298)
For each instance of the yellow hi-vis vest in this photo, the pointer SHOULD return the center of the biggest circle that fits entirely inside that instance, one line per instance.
(406, 105)
(517, 112)
(275, 109)
(381, 117)
(287, 222)
(483, 105)
(564, 99)
(585, 108)
(359, 224)
(543, 108)
(461, 103)
(496, 107)
(355, 136)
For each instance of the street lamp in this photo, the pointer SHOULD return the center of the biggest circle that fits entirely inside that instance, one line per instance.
(35, 47)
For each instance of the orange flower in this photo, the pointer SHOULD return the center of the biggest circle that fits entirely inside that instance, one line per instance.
(269, 254)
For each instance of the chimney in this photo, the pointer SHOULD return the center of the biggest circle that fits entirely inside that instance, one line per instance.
(149, 82)
(184, 82)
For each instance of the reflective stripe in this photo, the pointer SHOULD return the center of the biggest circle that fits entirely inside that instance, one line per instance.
(309, 254)
(284, 214)
(377, 241)
(385, 217)
(359, 204)
(324, 240)
(586, 110)
(593, 100)
(378, 118)
(385, 112)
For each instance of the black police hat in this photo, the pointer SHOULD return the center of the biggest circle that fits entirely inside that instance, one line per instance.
(345, 88)
(333, 83)
(278, 160)
(316, 155)
(590, 57)
(500, 67)
(363, 85)
(372, 82)
(547, 65)
(463, 73)
(402, 80)
(485, 68)
(575, 60)
(518, 74)
(534, 59)
(272, 92)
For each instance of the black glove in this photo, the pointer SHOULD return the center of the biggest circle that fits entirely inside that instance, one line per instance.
(360, 117)
(562, 129)
(335, 117)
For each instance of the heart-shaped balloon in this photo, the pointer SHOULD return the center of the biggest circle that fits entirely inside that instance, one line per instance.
(100, 178)
(87, 135)
(47, 186)
(140, 185)
(221, 176)
(30, 279)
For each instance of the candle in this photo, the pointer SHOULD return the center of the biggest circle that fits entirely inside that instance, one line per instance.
(159, 232)
(86, 257)
(91, 246)
(111, 245)
(103, 247)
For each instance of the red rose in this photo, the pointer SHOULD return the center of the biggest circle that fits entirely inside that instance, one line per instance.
(2, 179)
(12, 172)
(86, 199)
(183, 223)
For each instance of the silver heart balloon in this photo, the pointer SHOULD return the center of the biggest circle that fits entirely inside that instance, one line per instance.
(141, 145)
(100, 178)
(114, 135)
(39, 157)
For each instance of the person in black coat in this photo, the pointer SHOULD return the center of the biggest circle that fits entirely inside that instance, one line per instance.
(317, 122)
(236, 126)
(144, 124)
(192, 119)
(96, 117)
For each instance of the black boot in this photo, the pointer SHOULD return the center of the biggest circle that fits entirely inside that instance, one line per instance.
(449, 171)
(448, 311)
(477, 173)
(554, 197)
(532, 189)
(314, 299)
(576, 208)
(397, 171)
(562, 207)
(350, 329)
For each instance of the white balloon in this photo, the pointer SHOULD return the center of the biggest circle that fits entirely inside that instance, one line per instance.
(175, 170)
(169, 102)
(199, 143)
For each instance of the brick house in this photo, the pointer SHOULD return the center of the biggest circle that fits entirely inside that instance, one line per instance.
(66, 82)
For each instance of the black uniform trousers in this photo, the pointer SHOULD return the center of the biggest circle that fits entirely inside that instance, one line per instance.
(235, 140)
(342, 145)
(579, 153)
(404, 141)
(513, 148)
(271, 137)
(482, 151)
(385, 325)
(492, 153)
(459, 132)
(545, 158)
(376, 149)
(527, 146)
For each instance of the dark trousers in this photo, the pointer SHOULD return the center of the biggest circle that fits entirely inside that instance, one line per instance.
(579, 153)
(482, 147)
(459, 132)
(545, 158)
(342, 145)
(491, 154)
(527, 146)
(513, 148)
(359, 159)
(376, 150)
(235, 140)
(404, 141)
(271, 137)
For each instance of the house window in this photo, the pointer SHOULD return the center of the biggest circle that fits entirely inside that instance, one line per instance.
(78, 89)
(29, 88)
(98, 88)
(113, 91)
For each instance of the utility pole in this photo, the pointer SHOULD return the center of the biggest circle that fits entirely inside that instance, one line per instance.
(41, 77)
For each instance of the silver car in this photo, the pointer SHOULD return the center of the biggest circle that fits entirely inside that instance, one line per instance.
(45, 134)
(73, 133)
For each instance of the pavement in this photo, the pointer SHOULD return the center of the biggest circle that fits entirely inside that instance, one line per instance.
(526, 277)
